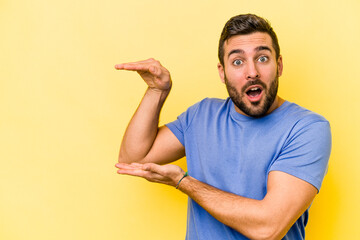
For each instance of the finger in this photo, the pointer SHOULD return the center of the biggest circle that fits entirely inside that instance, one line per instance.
(122, 65)
(126, 166)
(132, 66)
(148, 175)
(152, 167)
(132, 171)
(119, 66)
(138, 165)
(157, 71)
(141, 68)
(150, 61)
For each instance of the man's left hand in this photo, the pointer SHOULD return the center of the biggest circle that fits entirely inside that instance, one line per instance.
(165, 174)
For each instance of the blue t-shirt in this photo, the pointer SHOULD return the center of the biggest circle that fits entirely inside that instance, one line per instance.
(235, 153)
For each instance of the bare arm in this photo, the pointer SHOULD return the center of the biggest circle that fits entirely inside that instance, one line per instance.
(270, 218)
(143, 140)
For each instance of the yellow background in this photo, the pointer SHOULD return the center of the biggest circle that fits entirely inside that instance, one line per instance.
(63, 107)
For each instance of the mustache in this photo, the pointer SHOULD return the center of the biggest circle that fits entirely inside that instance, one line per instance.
(253, 82)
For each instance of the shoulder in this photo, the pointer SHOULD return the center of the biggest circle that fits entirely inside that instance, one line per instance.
(306, 147)
(301, 116)
(207, 105)
(307, 126)
(200, 109)
(213, 102)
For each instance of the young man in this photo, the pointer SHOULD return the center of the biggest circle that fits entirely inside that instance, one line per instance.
(255, 161)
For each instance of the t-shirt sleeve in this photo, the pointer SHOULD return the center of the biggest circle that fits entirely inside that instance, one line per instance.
(306, 153)
(183, 121)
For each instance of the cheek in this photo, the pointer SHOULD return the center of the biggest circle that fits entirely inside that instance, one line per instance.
(234, 75)
(269, 73)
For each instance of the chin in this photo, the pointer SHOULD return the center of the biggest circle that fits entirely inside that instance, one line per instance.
(253, 109)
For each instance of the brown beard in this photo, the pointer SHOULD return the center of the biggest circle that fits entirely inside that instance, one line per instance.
(255, 110)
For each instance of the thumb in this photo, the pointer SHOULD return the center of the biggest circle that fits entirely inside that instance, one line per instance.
(156, 71)
(151, 167)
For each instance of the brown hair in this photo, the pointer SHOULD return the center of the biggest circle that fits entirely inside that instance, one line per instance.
(245, 24)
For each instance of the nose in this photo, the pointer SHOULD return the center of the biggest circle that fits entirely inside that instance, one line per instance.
(252, 71)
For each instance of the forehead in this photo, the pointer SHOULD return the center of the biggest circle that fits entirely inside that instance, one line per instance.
(248, 43)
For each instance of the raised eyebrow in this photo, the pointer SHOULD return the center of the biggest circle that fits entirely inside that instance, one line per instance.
(236, 51)
(261, 48)
(257, 49)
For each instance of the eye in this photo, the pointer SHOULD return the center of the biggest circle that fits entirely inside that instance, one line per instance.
(237, 62)
(263, 59)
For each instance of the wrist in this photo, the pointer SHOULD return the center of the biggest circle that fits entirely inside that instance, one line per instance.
(161, 93)
(181, 179)
(164, 88)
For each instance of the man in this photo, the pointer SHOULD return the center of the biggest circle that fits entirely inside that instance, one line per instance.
(255, 161)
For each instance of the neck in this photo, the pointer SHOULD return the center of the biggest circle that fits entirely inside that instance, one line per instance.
(277, 103)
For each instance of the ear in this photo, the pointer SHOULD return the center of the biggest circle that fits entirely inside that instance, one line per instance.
(221, 72)
(280, 66)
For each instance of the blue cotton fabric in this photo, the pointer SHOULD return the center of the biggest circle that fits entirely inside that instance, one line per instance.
(235, 153)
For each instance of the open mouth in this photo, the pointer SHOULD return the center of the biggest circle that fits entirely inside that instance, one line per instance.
(254, 93)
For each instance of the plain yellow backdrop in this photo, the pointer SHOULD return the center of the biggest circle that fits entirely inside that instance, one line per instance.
(64, 108)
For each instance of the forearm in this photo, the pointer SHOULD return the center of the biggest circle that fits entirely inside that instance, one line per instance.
(248, 216)
(143, 127)
(286, 199)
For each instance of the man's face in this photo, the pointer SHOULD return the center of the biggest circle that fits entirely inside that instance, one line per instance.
(251, 73)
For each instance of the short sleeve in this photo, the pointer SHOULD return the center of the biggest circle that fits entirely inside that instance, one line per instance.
(183, 121)
(306, 152)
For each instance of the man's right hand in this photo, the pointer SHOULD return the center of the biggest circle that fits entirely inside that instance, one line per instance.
(144, 141)
(154, 74)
